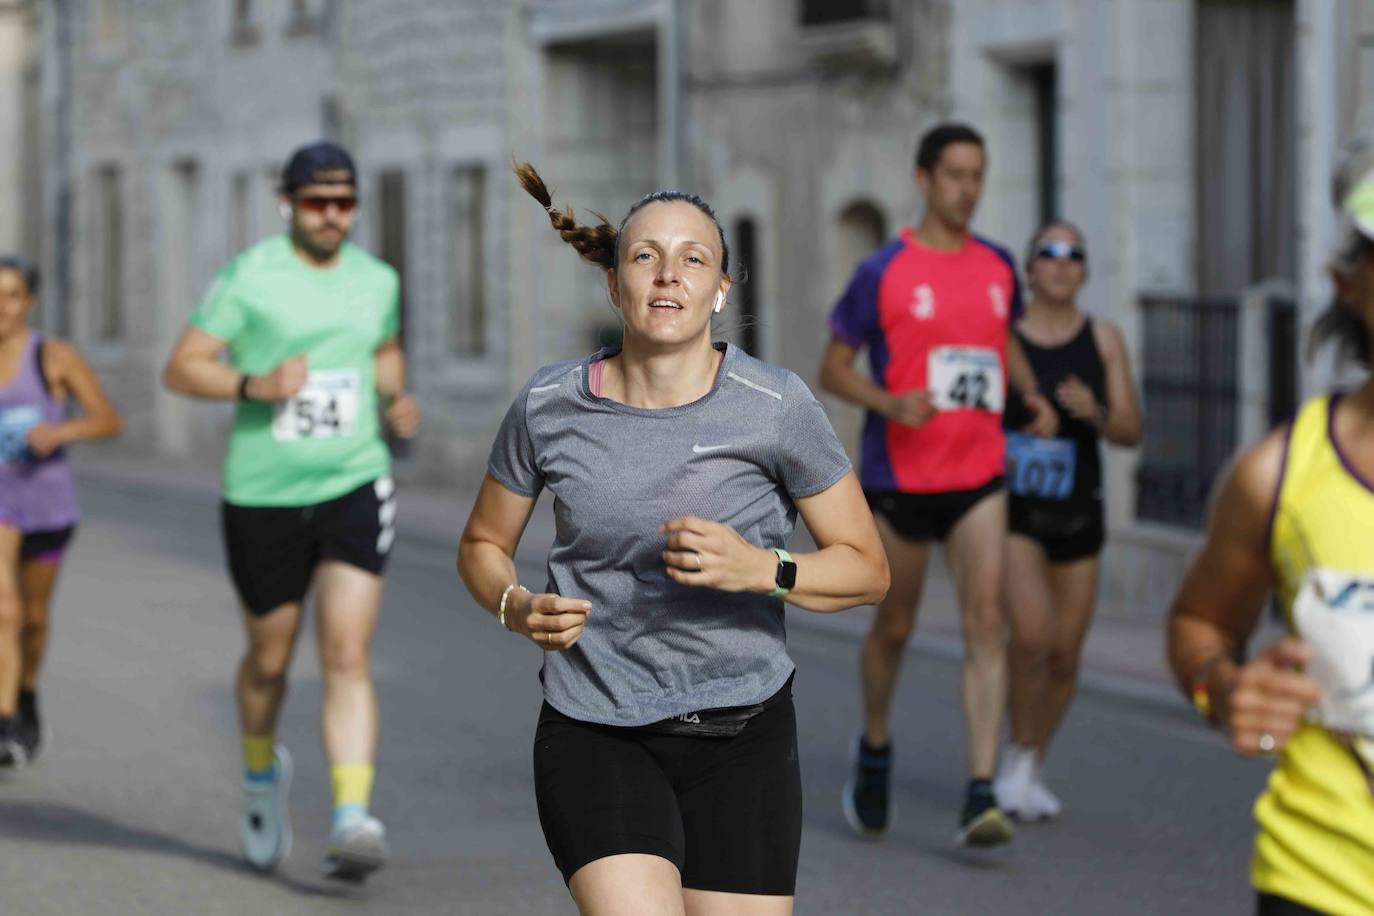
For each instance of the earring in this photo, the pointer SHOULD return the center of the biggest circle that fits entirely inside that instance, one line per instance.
(285, 211)
(720, 302)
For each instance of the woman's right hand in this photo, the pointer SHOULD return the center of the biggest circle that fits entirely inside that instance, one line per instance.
(1269, 696)
(551, 622)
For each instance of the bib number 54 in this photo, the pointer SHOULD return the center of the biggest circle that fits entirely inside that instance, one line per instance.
(326, 408)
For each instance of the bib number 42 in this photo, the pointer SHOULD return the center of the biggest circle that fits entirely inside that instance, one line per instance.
(970, 390)
(965, 378)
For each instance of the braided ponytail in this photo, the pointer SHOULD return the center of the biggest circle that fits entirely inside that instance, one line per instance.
(596, 244)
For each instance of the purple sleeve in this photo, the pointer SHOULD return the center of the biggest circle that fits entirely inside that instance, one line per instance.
(854, 320)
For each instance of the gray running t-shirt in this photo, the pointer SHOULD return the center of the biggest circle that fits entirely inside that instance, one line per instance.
(740, 455)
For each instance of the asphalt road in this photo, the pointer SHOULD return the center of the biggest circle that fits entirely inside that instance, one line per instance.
(133, 807)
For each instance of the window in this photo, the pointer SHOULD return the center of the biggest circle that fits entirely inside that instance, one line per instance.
(862, 231)
(1191, 382)
(305, 20)
(243, 30)
(240, 212)
(391, 214)
(830, 12)
(467, 311)
(747, 294)
(180, 208)
(1245, 85)
(108, 283)
(1044, 82)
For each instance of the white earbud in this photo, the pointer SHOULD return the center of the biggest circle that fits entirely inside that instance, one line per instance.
(720, 302)
(285, 210)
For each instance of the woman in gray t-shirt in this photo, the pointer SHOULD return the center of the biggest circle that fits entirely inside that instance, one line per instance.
(665, 755)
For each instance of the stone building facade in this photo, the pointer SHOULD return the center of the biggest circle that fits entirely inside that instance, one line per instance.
(161, 125)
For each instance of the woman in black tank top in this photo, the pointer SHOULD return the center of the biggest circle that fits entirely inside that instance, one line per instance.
(1055, 506)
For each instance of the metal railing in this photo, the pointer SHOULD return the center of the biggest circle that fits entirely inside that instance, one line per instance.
(1193, 383)
(1190, 391)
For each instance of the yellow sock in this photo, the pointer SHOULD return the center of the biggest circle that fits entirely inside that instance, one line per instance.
(352, 784)
(257, 753)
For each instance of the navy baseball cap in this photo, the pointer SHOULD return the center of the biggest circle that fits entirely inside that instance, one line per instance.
(307, 164)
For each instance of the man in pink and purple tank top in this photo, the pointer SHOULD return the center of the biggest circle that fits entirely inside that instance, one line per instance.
(38, 511)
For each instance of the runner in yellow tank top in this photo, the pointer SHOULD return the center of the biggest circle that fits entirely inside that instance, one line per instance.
(1295, 515)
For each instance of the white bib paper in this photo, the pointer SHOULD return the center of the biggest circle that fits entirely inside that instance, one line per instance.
(965, 378)
(326, 408)
(1334, 614)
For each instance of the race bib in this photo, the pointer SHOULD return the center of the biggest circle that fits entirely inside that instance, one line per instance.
(326, 408)
(15, 423)
(965, 378)
(1334, 614)
(1040, 468)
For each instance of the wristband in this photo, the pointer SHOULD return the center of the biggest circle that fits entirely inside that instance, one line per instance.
(501, 610)
(243, 387)
(1202, 696)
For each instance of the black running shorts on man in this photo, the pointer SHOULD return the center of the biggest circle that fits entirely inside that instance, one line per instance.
(726, 811)
(273, 550)
(928, 516)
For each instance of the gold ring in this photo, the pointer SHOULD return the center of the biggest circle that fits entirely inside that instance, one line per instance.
(698, 556)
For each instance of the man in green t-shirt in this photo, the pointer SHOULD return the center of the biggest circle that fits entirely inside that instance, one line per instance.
(309, 324)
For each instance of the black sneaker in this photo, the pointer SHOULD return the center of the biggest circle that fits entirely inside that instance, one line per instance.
(866, 805)
(11, 751)
(28, 730)
(983, 823)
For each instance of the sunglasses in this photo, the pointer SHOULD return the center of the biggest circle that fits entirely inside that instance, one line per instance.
(321, 204)
(1061, 250)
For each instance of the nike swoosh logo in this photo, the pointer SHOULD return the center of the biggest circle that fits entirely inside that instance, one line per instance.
(703, 449)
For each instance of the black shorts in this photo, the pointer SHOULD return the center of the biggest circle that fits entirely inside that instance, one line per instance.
(726, 811)
(928, 516)
(45, 545)
(1069, 531)
(273, 550)
(1272, 905)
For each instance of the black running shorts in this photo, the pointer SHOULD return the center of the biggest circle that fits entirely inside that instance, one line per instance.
(928, 516)
(726, 811)
(273, 550)
(45, 546)
(1068, 532)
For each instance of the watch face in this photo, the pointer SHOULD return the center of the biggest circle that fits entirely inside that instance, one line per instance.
(787, 574)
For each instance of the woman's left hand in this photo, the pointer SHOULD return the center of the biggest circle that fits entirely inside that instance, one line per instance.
(713, 555)
(1078, 399)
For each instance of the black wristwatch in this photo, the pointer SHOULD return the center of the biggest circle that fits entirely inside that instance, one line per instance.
(787, 574)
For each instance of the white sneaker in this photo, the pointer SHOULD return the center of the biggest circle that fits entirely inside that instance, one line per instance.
(266, 827)
(356, 849)
(1013, 782)
(1041, 803)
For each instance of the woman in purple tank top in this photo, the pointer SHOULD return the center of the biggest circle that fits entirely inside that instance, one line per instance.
(38, 510)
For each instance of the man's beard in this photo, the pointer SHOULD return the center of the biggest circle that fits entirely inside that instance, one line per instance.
(319, 251)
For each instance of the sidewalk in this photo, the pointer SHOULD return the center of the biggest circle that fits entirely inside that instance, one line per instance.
(1123, 657)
